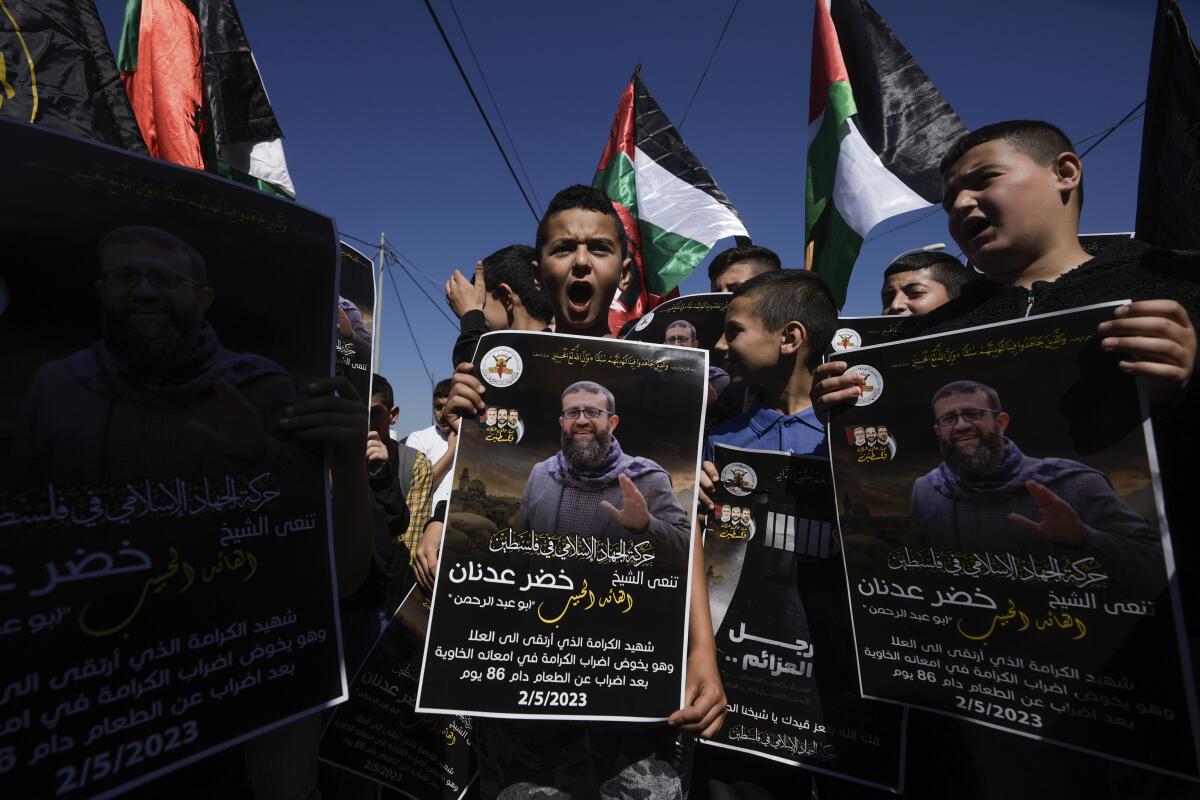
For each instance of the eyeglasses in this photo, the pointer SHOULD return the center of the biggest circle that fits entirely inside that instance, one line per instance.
(128, 277)
(683, 340)
(950, 419)
(589, 412)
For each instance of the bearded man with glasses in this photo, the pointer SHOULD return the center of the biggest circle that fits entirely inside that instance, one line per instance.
(988, 496)
(566, 492)
(158, 394)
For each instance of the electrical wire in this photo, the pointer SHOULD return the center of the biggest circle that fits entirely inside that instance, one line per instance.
(453, 322)
(479, 106)
(499, 115)
(404, 313)
(711, 56)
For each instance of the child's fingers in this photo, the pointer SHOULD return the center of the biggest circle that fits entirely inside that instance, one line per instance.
(1156, 370)
(1169, 309)
(1165, 350)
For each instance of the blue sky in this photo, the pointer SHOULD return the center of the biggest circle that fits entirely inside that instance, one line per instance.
(382, 135)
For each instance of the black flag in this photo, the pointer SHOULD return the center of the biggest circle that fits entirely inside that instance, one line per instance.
(57, 69)
(1168, 206)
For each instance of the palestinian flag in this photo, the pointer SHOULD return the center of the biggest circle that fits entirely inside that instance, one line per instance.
(56, 69)
(673, 210)
(877, 130)
(197, 92)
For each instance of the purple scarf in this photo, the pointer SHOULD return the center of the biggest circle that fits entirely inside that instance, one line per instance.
(605, 475)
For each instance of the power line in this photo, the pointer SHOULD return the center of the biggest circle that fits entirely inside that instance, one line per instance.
(712, 56)
(504, 126)
(453, 322)
(404, 313)
(479, 106)
(408, 262)
(1112, 130)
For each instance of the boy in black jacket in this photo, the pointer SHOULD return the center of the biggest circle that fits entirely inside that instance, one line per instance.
(1013, 191)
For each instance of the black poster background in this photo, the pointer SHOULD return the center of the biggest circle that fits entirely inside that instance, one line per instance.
(357, 284)
(378, 734)
(706, 313)
(855, 332)
(617, 618)
(1047, 641)
(782, 623)
(135, 611)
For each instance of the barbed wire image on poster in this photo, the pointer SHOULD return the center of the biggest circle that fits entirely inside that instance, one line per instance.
(165, 545)
(1006, 555)
(563, 580)
(782, 623)
(377, 733)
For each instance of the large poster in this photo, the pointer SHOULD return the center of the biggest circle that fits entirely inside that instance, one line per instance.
(165, 552)
(356, 312)
(562, 584)
(782, 623)
(1007, 557)
(378, 735)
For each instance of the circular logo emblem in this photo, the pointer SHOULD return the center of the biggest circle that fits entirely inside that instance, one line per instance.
(872, 384)
(644, 321)
(501, 366)
(846, 339)
(739, 479)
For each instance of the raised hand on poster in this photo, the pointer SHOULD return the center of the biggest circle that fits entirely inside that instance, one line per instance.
(343, 324)
(329, 411)
(633, 513)
(241, 435)
(1060, 523)
(708, 481)
(462, 295)
(1159, 334)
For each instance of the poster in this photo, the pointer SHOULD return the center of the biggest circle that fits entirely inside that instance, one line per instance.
(776, 585)
(378, 735)
(855, 332)
(697, 320)
(1006, 555)
(563, 579)
(356, 311)
(1093, 243)
(165, 547)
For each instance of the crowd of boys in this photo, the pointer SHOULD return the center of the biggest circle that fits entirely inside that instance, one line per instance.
(1013, 192)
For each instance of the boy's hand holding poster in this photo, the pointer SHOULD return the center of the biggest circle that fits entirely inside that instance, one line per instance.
(164, 538)
(1007, 557)
(377, 734)
(782, 625)
(563, 580)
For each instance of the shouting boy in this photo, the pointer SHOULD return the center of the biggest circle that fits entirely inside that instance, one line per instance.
(1014, 192)
(582, 260)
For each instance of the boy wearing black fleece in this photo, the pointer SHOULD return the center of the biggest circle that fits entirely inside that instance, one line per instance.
(1013, 191)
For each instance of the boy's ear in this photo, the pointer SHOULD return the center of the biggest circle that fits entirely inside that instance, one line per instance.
(626, 275)
(1068, 170)
(793, 338)
(509, 298)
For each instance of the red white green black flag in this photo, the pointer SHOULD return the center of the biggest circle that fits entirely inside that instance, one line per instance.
(877, 130)
(673, 210)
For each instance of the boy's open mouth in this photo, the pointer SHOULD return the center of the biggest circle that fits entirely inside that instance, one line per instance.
(974, 226)
(579, 299)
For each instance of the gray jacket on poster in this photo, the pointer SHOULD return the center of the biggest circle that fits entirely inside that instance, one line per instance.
(668, 528)
(950, 514)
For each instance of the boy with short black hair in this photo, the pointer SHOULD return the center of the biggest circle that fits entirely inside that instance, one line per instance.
(735, 266)
(917, 283)
(777, 327)
(503, 294)
(582, 260)
(1014, 191)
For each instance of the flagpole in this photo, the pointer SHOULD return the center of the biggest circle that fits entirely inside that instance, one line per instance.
(377, 317)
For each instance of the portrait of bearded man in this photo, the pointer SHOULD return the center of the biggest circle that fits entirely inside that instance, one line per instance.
(158, 395)
(988, 496)
(590, 487)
